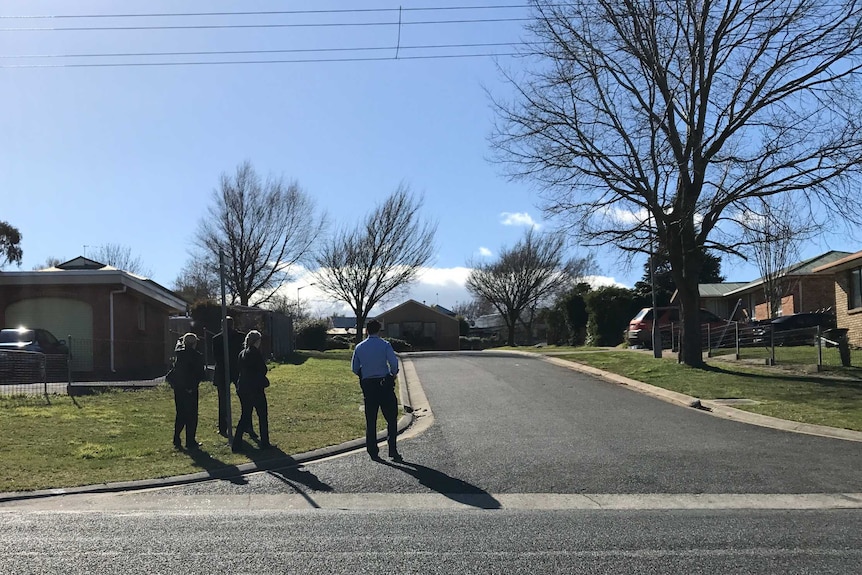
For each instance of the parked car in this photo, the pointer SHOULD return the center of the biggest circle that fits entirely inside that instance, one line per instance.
(794, 329)
(640, 327)
(36, 339)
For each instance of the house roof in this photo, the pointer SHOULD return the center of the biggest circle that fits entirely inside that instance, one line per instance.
(845, 263)
(805, 267)
(719, 289)
(413, 302)
(84, 271)
(342, 322)
(491, 320)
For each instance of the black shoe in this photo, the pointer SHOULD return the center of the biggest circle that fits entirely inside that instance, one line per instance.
(395, 456)
(193, 445)
(374, 456)
(178, 445)
(222, 432)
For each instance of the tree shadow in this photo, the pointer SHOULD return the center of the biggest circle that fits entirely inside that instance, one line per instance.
(789, 377)
(452, 487)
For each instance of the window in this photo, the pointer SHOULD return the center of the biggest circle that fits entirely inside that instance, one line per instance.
(394, 330)
(854, 297)
(142, 316)
(429, 329)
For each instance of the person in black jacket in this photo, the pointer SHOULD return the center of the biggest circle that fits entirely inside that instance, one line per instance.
(251, 388)
(225, 375)
(187, 373)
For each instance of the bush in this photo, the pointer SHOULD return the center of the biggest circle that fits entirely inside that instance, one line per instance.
(337, 342)
(311, 334)
(399, 345)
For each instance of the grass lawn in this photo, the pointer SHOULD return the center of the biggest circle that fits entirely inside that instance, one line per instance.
(833, 398)
(314, 401)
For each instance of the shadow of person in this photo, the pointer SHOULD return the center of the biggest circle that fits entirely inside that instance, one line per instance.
(216, 468)
(451, 487)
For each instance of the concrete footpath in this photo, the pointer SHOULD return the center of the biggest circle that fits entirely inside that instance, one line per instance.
(418, 416)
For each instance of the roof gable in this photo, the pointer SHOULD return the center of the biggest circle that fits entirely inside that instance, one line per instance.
(81, 263)
(414, 303)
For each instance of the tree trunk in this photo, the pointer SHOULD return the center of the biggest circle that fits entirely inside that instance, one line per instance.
(685, 269)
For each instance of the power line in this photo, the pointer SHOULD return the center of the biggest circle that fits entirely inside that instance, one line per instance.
(247, 26)
(244, 62)
(248, 52)
(264, 12)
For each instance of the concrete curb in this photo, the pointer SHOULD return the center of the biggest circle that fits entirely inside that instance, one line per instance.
(222, 473)
(707, 406)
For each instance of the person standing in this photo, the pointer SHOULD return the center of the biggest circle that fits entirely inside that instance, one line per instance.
(225, 375)
(251, 388)
(187, 373)
(375, 363)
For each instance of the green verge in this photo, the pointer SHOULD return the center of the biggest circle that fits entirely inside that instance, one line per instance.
(833, 399)
(314, 401)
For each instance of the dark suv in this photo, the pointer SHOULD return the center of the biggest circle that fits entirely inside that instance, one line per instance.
(795, 329)
(640, 327)
(25, 339)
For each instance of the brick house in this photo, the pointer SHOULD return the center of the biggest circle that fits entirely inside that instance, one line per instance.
(116, 322)
(423, 326)
(845, 275)
(807, 289)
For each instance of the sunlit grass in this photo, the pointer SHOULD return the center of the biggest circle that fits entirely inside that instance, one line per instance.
(314, 401)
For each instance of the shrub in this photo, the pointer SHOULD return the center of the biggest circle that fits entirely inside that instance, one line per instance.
(311, 334)
(337, 343)
(399, 345)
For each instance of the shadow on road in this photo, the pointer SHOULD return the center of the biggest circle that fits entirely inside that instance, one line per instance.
(452, 487)
(217, 468)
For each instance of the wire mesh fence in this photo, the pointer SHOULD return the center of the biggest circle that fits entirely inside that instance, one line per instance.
(29, 372)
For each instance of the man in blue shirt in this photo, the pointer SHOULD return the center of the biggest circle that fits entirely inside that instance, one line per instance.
(375, 363)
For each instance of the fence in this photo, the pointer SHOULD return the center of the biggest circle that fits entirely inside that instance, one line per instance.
(28, 372)
(759, 342)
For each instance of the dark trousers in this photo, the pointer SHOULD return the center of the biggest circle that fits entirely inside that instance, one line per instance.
(253, 401)
(186, 401)
(379, 395)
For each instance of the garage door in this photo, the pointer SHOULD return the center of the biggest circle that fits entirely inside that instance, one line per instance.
(62, 317)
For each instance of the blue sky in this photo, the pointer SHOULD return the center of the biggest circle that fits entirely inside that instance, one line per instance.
(130, 155)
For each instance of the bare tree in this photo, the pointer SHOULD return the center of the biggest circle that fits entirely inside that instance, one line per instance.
(668, 116)
(472, 309)
(10, 244)
(264, 227)
(120, 257)
(774, 231)
(198, 281)
(50, 262)
(531, 273)
(379, 257)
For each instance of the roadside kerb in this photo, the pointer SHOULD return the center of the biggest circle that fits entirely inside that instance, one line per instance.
(705, 405)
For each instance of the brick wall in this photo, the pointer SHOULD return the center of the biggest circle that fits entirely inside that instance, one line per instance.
(850, 319)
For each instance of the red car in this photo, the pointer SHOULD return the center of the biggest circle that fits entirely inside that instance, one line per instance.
(640, 327)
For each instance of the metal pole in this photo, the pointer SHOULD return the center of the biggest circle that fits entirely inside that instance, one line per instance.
(656, 337)
(225, 348)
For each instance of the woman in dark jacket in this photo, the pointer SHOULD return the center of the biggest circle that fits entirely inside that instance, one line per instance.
(187, 373)
(251, 390)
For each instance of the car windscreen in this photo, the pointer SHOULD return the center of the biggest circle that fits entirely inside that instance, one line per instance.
(16, 335)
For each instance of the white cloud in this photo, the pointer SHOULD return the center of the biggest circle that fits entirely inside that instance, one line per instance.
(485, 252)
(434, 286)
(518, 219)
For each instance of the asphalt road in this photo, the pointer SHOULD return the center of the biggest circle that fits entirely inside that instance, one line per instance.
(527, 468)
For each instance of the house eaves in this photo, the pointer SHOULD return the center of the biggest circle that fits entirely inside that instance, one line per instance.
(845, 263)
(803, 268)
(104, 276)
(413, 301)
